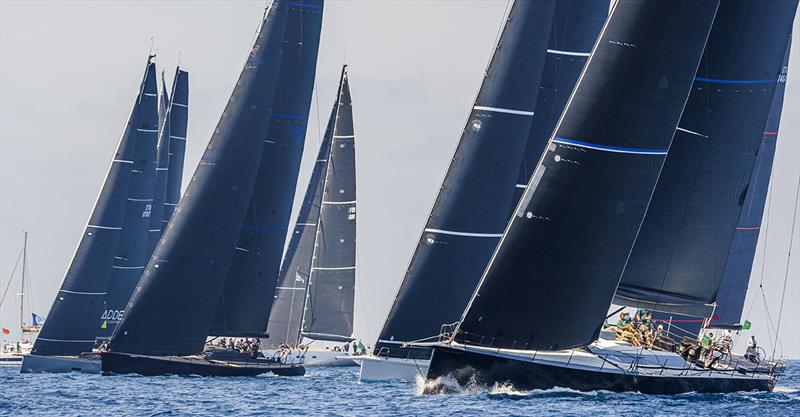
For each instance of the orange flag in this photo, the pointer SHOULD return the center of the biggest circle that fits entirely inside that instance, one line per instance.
(6, 331)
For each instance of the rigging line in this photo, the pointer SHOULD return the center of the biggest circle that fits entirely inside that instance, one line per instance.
(11, 278)
(788, 264)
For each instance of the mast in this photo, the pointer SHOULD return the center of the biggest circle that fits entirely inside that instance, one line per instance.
(479, 189)
(550, 281)
(681, 251)
(171, 310)
(329, 301)
(72, 323)
(287, 310)
(22, 284)
(247, 298)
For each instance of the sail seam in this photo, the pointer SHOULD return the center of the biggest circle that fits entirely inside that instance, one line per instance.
(339, 202)
(569, 53)
(103, 227)
(341, 268)
(615, 149)
(82, 292)
(692, 132)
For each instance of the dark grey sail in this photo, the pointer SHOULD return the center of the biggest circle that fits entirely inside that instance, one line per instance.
(162, 170)
(479, 190)
(551, 279)
(680, 253)
(72, 325)
(290, 293)
(328, 310)
(733, 286)
(178, 124)
(171, 310)
(576, 24)
(247, 299)
(131, 255)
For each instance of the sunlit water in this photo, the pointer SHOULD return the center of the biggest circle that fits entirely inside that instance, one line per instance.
(335, 391)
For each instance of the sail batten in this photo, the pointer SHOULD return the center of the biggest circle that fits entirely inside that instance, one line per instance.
(172, 308)
(551, 279)
(681, 252)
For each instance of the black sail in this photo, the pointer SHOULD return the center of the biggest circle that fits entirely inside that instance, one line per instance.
(551, 279)
(178, 124)
(576, 24)
(479, 190)
(162, 170)
(246, 301)
(171, 309)
(733, 286)
(131, 254)
(290, 293)
(72, 324)
(328, 313)
(680, 254)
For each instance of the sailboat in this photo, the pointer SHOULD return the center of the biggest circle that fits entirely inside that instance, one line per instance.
(11, 352)
(539, 56)
(533, 322)
(190, 275)
(68, 336)
(318, 279)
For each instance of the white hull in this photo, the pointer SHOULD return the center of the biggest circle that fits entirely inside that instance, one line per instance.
(60, 364)
(316, 358)
(10, 359)
(375, 368)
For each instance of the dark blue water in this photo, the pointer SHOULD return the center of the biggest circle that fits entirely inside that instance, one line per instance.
(333, 392)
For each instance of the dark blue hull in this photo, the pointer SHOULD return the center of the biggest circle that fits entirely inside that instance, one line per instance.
(122, 363)
(486, 370)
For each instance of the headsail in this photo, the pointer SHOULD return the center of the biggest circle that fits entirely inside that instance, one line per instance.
(479, 190)
(733, 287)
(290, 293)
(131, 254)
(71, 325)
(246, 301)
(171, 310)
(178, 124)
(328, 312)
(680, 253)
(551, 279)
(162, 170)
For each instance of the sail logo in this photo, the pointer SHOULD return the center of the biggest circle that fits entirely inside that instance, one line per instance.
(147, 209)
(113, 315)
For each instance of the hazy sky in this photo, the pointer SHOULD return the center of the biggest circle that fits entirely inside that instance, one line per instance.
(69, 72)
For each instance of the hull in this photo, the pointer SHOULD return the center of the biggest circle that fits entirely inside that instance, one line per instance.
(122, 363)
(376, 368)
(89, 364)
(580, 371)
(314, 358)
(10, 359)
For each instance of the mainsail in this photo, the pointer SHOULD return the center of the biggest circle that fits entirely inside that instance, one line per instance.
(71, 326)
(171, 310)
(131, 254)
(290, 293)
(479, 190)
(328, 312)
(680, 253)
(551, 279)
(733, 287)
(247, 298)
(178, 124)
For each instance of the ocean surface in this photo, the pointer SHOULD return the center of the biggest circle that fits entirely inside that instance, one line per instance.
(337, 392)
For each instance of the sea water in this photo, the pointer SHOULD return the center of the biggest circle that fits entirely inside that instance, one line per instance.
(336, 391)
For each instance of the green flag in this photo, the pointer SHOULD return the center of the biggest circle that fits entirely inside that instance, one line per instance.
(746, 325)
(104, 325)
